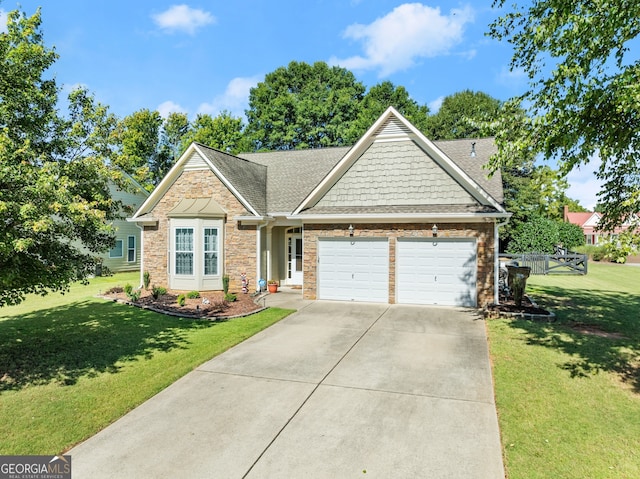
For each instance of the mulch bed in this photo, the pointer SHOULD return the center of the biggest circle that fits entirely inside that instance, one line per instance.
(211, 305)
(528, 310)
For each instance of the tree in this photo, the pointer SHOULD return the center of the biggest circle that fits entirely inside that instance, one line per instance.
(583, 99)
(465, 114)
(303, 106)
(377, 100)
(174, 128)
(54, 196)
(224, 132)
(138, 135)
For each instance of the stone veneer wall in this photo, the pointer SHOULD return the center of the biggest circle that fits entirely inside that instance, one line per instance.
(484, 232)
(239, 241)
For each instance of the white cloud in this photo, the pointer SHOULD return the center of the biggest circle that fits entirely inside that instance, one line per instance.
(168, 106)
(512, 77)
(235, 98)
(435, 105)
(182, 18)
(3, 21)
(410, 32)
(583, 184)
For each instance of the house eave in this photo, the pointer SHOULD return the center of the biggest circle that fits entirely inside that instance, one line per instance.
(142, 221)
(400, 218)
(253, 220)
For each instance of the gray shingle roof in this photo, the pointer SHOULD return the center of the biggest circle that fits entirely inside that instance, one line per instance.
(278, 181)
(248, 178)
(293, 174)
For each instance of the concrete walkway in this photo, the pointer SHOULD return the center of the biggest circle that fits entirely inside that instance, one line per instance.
(337, 390)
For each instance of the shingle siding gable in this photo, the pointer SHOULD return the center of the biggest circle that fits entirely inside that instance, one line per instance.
(395, 173)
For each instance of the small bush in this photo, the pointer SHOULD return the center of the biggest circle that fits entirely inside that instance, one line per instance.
(146, 279)
(158, 291)
(182, 300)
(230, 297)
(134, 295)
(597, 254)
(128, 289)
(225, 284)
(193, 295)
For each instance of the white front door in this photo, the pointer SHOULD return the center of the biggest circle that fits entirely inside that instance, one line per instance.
(294, 258)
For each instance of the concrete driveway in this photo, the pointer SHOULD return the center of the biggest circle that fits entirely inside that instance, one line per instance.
(337, 390)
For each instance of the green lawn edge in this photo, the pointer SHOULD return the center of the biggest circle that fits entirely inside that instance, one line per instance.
(73, 364)
(568, 403)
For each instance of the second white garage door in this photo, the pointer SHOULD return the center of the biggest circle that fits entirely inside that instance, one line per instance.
(351, 269)
(436, 271)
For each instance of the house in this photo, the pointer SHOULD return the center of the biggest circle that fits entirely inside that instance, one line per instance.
(125, 254)
(396, 218)
(588, 221)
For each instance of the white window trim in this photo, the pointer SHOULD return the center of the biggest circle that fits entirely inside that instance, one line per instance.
(134, 249)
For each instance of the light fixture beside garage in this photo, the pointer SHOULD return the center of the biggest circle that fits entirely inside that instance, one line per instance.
(434, 230)
(351, 230)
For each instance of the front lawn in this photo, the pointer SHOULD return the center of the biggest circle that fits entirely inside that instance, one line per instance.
(70, 365)
(568, 393)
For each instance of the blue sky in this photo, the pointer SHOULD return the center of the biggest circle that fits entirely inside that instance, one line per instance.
(203, 56)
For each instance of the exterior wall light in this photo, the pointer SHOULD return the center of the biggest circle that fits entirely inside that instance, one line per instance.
(434, 230)
(350, 230)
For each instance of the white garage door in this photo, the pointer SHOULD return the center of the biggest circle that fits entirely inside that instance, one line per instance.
(436, 271)
(352, 269)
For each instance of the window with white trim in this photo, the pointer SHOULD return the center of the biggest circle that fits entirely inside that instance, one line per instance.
(131, 249)
(184, 251)
(211, 251)
(116, 251)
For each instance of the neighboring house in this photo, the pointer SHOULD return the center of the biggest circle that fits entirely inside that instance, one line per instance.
(588, 221)
(394, 219)
(125, 255)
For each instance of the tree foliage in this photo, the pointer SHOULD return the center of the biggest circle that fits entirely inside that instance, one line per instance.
(224, 132)
(584, 91)
(303, 106)
(541, 235)
(377, 100)
(466, 114)
(55, 203)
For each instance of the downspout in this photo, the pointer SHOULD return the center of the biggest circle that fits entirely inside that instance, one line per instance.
(496, 270)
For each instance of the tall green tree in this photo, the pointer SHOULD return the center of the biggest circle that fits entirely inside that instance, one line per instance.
(583, 100)
(303, 106)
(169, 149)
(55, 204)
(224, 132)
(138, 135)
(466, 114)
(377, 100)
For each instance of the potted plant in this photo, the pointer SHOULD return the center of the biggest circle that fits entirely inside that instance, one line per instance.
(272, 285)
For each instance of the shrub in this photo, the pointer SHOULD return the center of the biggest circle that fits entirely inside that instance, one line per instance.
(230, 297)
(128, 289)
(225, 284)
(181, 300)
(193, 295)
(158, 291)
(597, 254)
(146, 279)
(134, 295)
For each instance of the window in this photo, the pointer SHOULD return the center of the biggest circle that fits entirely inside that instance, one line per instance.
(116, 251)
(131, 249)
(184, 251)
(211, 251)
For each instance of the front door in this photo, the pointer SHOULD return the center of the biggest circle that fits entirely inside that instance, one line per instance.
(294, 256)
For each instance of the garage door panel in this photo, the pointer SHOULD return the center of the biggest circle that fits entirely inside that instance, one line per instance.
(436, 271)
(353, 269)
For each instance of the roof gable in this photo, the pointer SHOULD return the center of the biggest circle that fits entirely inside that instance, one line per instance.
(437, 171)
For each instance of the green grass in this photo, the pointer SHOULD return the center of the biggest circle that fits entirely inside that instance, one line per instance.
(70, 365)
(569, 403)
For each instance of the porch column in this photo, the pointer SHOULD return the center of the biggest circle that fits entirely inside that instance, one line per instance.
(269, 253)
